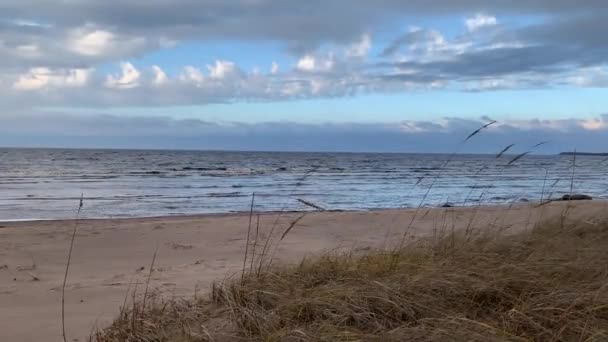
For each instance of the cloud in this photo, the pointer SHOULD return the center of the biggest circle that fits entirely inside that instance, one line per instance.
(129, 77)
(424, 44)
(441, 136)
(591, 77)
(192, 74)
(360, 48)
(48, 46)
(274, 68)
(92, 43)
(38, 78)
(480, 21)
(310, 63)
(223, 69)
(595, 124)
(160, 77)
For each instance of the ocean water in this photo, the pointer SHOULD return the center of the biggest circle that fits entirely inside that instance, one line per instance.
(47, 183)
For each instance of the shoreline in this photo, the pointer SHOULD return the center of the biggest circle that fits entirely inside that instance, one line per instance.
(112, 255)
(273, 212)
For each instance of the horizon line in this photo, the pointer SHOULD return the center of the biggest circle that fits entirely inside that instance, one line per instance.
(275, 151)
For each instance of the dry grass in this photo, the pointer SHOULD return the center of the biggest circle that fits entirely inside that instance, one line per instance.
(548, 284)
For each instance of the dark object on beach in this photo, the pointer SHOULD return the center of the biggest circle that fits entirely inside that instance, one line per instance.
(446, 205)
(525, 200)
(576, 197)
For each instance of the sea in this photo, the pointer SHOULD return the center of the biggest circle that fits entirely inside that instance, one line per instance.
(37, 184)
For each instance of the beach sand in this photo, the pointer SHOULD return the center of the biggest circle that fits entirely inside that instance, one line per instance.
(193, 251)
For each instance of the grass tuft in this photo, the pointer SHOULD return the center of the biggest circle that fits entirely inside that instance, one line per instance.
(546, 284)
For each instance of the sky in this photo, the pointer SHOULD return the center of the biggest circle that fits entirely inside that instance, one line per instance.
(332, 75)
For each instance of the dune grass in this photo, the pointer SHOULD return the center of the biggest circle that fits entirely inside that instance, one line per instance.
(545, 284)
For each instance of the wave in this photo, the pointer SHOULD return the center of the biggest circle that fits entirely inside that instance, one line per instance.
(227, 194)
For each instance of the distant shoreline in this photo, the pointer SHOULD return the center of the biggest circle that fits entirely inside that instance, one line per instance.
(584, 154)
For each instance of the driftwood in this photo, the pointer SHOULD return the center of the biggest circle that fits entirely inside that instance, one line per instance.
(574, 197)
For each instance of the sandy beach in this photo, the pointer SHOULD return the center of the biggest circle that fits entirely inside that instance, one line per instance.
(111, 254)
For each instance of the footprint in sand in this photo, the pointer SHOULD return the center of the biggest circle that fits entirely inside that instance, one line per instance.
(115, 280)
(8, 290)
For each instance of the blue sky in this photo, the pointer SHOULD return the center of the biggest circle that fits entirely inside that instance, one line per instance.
(538, 68)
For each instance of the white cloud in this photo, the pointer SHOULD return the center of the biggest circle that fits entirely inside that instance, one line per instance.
(77, 77)
(316, 86)
(98, 43)
(192, 74)
(590, 77)
(480, 21)
(222, 69)
(292, 89)
(91, 43)
(28, 50)
(306, 63)
(594, 124)
(310, 63)
(421, 59)
(360, 48)
(160, 77)
(430, 135)
(274, 68)
(491, 84)
(129, 77)
(38, 78)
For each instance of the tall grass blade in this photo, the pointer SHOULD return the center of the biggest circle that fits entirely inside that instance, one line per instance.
(149, 277)
(255, 241)
(541, 144)
(67, 266)
(573, 172)
(518, 157)
(291, 225)
(248, 236)
(504, 150)
(477, 131)
(267, 243)
(310, 204)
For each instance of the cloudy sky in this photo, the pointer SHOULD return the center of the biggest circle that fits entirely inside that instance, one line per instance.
(347, 75)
